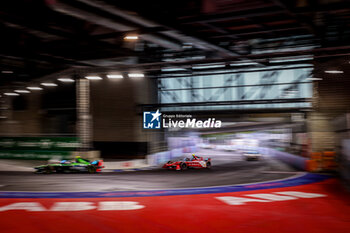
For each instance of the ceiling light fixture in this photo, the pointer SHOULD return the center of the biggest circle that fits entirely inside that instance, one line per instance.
(66, 80)
(93, 77)
(114, 76)
(34, 88)
(131, 37)
(334, 71)
(49, 84)
(11, 94)
(7, 72)
(22, 91)
(136, 75)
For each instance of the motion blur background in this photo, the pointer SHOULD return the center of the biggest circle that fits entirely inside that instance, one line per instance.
(76, 77)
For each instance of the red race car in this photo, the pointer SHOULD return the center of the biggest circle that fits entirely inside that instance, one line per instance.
(195, 162)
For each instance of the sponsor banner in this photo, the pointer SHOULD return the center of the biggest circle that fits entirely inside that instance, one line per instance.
(41, 148)
(320, 207)
(35, 154)
(39, 143)
(76, 205)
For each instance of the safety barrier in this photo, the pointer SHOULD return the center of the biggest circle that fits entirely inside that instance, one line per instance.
(162, 157)
(130, 164)
(152, 160)
(295, 161)
(329, 161)
(321, 161)
(318, 161)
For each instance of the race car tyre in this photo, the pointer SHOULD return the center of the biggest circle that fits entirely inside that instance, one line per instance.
(91, 169)
(183, 166)
(208, 165)
(59, 170)
(48, 170)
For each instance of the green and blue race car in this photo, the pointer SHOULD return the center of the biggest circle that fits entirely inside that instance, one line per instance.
(66, 166)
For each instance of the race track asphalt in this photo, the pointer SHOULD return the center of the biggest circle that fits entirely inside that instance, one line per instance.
(228, 168)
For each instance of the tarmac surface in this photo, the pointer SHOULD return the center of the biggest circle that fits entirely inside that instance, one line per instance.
(190, 201)
(228, 168)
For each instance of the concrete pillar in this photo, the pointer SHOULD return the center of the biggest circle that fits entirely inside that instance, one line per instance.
(320, 131)
(84, 121)
(331, 99)
(117, 116)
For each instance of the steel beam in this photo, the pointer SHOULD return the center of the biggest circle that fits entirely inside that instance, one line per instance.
(222, 103)
(108, 23)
